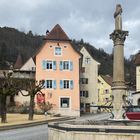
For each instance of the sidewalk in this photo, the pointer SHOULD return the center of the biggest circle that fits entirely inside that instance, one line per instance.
(21, 120)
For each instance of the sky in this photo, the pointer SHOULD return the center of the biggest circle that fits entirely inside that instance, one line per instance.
(90, 20)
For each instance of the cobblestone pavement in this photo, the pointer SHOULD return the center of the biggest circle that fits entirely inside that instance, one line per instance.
(30, 133)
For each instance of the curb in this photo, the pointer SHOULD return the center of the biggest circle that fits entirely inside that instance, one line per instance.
(31, 124)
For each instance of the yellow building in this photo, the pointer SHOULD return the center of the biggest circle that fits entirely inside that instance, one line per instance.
(104, 89)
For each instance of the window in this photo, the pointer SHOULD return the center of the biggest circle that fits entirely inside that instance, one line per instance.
(84, 80)
(58, 51)
(50, 84)
(87, 60)
(66, 65)
(66, 84)
(33, 68)
(48, 64)
(106, 91)
(83, 70)
(84, 93)
(64, 102)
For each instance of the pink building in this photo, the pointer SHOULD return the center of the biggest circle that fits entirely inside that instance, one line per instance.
(57, 62)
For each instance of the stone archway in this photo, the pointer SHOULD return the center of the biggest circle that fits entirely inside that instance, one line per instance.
(139, 102)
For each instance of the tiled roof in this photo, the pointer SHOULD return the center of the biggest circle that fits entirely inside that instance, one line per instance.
(57, 33)
(19, 62)
(137, 60)
(108, 79)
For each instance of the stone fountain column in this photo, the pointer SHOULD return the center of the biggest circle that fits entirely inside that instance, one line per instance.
(118, 89)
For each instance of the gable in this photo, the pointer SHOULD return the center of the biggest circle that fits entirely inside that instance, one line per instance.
(87, 54)
(29, 65)
(48, 50)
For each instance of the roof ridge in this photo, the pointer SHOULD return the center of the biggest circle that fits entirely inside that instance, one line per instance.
(57, 33)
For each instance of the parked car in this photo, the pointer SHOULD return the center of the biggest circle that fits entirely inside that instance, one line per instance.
(133, 112)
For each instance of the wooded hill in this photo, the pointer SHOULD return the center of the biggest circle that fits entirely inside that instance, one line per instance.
(14, 42)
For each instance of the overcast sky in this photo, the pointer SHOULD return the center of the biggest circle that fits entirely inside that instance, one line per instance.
(91, 20)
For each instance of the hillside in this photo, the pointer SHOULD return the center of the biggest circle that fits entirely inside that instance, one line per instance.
(14, 42)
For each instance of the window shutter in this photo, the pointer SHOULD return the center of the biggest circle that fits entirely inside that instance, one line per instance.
(71, 65)
(45, 84)
(61, 65)
(54, 84)
(43, 64)
(61, 84)
(54, 65)
(71, 84)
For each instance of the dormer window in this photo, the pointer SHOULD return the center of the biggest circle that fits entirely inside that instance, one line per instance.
(58, 51)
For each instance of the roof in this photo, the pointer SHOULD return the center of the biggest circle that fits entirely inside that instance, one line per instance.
(19, 62)
(108, 79)
(137, 59)
(91, 51)
(57, 33)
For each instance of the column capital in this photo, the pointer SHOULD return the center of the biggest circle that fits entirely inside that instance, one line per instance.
(118, 36)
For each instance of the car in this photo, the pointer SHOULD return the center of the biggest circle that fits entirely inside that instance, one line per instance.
(133, 112)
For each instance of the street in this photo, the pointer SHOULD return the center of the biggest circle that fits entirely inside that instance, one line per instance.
(40, 132)
(100, 116)
(30, 133)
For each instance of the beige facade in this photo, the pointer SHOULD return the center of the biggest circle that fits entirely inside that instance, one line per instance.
(138, 78)
(88, 81)
(29, 65)
(136, 97)
(26, 71)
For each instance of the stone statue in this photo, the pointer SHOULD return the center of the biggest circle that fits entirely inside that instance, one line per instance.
(118, 18)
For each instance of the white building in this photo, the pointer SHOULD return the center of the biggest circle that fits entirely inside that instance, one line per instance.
(136, 97)
(88, 80)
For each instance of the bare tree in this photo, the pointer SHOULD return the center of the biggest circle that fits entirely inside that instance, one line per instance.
(33, 88)
(7, 88)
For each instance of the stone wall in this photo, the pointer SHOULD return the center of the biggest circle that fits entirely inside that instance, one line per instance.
(66, 133)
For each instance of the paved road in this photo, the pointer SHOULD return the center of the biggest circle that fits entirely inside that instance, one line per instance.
(40, 132)
(101, 116)
(29, 133)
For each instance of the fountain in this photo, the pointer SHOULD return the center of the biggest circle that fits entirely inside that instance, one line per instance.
(117, 128)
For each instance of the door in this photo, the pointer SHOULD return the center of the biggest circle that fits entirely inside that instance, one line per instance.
(87, 107)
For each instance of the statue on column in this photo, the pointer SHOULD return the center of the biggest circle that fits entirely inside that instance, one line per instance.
(118, 18)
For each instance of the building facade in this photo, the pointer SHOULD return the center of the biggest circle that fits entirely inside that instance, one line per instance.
(23, 71)
(88, 81)
(136, 97)
(104, 89)
(57, 62)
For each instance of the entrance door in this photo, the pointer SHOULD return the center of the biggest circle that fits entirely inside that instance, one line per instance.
(87, 107)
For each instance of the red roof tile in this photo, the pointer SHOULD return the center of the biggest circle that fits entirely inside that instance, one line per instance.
(57, 33)
(137, 60)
